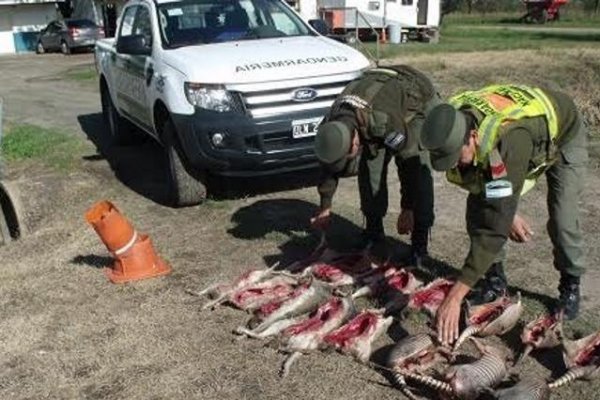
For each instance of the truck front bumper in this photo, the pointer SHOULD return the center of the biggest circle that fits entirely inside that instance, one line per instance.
(249, 147)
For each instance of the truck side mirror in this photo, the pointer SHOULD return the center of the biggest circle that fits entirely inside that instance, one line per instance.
(134, 44)
(320, 26)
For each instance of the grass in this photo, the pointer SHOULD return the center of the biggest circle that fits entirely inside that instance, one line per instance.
(54, 148)
(475, 38)
(84, 73)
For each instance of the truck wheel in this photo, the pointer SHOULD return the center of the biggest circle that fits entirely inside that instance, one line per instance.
(64, 48)
(39, 49)
(119, 129)
(184, 189)
(4, 230)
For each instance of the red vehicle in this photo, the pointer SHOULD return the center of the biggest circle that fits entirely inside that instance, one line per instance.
(541, 11)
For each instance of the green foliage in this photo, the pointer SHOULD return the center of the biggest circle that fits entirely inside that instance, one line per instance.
(29, 142)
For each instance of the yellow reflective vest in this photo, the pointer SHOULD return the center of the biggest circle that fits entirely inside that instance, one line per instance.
(499, 105)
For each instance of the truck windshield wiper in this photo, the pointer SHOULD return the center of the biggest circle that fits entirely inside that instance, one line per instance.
(186, 43)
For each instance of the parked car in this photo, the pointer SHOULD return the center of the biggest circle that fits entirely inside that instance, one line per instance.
(69, 34)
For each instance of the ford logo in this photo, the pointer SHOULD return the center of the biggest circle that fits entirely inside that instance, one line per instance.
(304, 94)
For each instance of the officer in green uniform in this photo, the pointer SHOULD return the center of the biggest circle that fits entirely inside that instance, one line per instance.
(496, 142)
(376, 118)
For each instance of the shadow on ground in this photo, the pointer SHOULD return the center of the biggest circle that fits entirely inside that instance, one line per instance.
(142, 168)
(93, 260)
(291, 218)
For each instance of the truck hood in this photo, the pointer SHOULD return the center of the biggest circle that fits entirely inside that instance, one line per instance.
(255, 61)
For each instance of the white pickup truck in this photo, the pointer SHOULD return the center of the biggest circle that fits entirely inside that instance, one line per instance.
(228, 87)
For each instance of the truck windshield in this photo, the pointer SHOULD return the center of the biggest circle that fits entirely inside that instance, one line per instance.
(190, 22)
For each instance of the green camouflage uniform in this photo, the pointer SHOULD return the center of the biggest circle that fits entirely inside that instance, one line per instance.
(399, 105)
(524, 143)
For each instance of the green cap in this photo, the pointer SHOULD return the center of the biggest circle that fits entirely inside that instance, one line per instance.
(332, 144)
(443, 136)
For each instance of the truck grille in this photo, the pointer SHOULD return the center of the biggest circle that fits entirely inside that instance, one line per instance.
(268, 100)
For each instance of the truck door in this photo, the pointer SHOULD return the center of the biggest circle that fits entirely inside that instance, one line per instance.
(135, 71)
(422, 10)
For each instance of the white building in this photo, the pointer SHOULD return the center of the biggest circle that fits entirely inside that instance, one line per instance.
(21, 21)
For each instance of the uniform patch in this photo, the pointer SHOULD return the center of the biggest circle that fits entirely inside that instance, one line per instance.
(498, 189)
(497, 167)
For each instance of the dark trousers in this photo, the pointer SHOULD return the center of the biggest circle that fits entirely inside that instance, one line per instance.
(417, 186)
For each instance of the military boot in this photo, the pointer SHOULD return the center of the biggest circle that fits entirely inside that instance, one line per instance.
(374, 233)
(570, 296)
(491, 286)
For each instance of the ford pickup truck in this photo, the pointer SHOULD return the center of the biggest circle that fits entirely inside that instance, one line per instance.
(228, 87)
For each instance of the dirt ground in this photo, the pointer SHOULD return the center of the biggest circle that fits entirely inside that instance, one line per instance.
(67, 333)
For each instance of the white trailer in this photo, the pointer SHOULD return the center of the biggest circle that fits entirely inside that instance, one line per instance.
(421, 17)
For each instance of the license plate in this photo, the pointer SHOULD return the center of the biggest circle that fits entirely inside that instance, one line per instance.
(305, 127)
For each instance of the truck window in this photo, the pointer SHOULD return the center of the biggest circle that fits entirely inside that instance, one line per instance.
(127, 25)
(143, 25)
(136, 21)
(191, 22)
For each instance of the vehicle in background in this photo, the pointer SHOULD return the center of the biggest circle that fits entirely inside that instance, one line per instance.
(229, 88)
(542, 11)
(68, 35)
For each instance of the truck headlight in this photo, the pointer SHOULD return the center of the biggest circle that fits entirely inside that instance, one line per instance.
(211, 97)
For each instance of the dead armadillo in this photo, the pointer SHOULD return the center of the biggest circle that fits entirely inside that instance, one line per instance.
(469, 381)
(542, 333)
(304, 299)
(431, 296)
(495, 318)
(223, 291)
(530, 388)
(357, 336)
(412, 356)
(393, 279)
(254, 296)
(307, 335)
(582, 358)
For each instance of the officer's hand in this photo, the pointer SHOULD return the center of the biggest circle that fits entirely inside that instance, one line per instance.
(406, 222)
(520, 230)
(322, 219)
(448, 314)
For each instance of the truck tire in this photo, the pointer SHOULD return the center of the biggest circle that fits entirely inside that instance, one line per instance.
(4, 229)
(184, 189)
(120, 131)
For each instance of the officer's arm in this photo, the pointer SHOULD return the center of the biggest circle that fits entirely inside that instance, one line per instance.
(489, 220)
(408, 174)
(327, 186)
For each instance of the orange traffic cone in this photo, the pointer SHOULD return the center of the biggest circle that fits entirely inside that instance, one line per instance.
(134, 254)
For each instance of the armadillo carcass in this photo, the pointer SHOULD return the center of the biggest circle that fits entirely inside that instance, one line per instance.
(431, 296)
(582, 358)
(410, 357)
(254, 296)
(308, 334)
(393, 280)
(530, 388)
(543, 333)
(494, 318)
(469, 381)
(303, 300)
(222, 292)
(357, 336)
